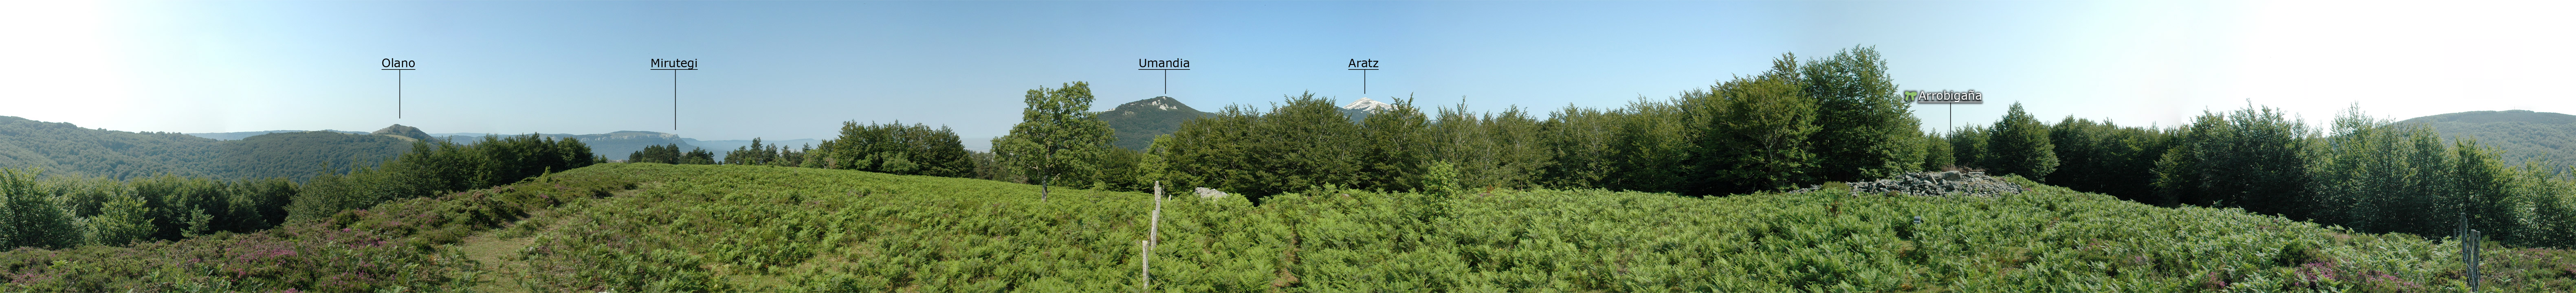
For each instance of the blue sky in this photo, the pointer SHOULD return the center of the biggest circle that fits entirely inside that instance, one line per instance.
(790, 70)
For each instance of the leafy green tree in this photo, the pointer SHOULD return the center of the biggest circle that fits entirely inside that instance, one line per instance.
(1969, 147)
(1151, 166)
(121, 221)
(2106, 158)
(1864, 129)
(575, 154)
(1396, 142)
(2254, 158)
(2021, 147)
(896, 148)
(1756, 132)
(2483, 194)
(1937, 153)
(2177, 179)
(1651, 148)
(1303, 142)
(698, 156)
(1214, 152)
(2369, 175)
(1119, 169)
(30, 218)
(1491, 150)
(754, 154)
(987, 167)
(666, 154)
(1057, 136)
(260, 204)
(1579, 139)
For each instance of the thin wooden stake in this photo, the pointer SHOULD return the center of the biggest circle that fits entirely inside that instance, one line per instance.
(1153, 235)
(1145, 270)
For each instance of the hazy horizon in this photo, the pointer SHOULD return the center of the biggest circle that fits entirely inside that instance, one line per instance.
(794, 70)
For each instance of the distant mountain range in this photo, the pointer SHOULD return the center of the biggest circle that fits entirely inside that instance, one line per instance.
(1136, 123)
(2523, 135)
(615, 145)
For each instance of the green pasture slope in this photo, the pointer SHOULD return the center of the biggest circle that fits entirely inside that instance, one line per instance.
(655, 227)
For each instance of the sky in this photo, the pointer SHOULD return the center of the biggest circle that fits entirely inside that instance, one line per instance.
(794, 70)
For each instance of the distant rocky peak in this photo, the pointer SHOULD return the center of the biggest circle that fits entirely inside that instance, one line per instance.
(1366, 104)
(1164, 103)
(403, 131)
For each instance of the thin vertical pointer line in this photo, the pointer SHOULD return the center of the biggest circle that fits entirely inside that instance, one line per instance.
(1363, 82)
(1167, 82)
(398, 91)
(675, 100)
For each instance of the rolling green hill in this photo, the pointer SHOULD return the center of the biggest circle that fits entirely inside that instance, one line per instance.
(301, 155)
(2523, 135)
(1138, 122)
(655, 227)
(63, 148)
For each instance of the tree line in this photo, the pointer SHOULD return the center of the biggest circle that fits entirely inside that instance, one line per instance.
(73, 210)
(1814, 121)
(893, 148)
(1802, 122)
(2364, 173)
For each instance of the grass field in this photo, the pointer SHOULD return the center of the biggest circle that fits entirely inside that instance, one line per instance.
(654, 227)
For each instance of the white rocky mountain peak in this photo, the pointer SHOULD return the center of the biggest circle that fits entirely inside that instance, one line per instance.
(1156, 102)
(1367, 104)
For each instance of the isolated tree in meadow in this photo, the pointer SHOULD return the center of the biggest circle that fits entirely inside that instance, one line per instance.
(2020, 145)
(1057, 136)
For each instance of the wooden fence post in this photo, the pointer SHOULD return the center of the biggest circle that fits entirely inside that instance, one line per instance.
(1153, 235)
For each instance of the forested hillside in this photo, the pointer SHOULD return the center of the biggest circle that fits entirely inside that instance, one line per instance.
(301, 155)
(65, 149)
(248, 134)
(1138, 122)
(2523, 135)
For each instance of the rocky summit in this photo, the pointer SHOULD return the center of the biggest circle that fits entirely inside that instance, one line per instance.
(1934, 184)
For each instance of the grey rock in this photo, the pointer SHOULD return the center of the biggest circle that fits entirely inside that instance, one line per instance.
(1947, 183)
(1209, 193)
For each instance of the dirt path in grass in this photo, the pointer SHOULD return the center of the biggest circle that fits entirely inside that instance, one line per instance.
(497, 259)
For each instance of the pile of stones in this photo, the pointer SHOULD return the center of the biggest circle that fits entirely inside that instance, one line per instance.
(1942, 183)
(1206, 193)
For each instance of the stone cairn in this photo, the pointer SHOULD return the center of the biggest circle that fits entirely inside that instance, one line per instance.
(1206, 193)
(1934, 184)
